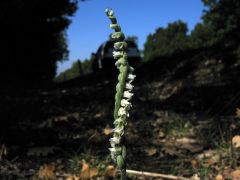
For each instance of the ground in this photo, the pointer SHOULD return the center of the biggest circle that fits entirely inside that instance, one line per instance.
(182, 123)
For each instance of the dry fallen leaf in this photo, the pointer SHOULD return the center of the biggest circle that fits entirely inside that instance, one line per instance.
(46, 172)
(87, 172)
(238, 112)
(110, 171)
(171, 150)
(69, 178)
(93, 172)
(195, 177)
(189, 144)
(107, 130)
(195, 163)
(151, 151)
(236, 175)
(236, 141)
(73, 178)
(219, 177)
(161, 134)
(233, 126)
(85, 166)
(212, 160)
(98, 115)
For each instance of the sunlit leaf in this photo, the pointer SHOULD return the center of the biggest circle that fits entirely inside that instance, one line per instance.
(195, 163)
(151, 151)
(110, 171)
(47, 171)
(73, 178)
(236, 141)
(195, 177)
(107, 130)
(219, 177)
(88, 172)
(93, 172)
(236, 175)
(238, 112)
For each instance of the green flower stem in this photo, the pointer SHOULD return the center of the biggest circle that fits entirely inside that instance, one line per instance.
(122, 97)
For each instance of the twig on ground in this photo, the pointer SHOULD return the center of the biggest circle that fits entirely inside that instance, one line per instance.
(149, 174)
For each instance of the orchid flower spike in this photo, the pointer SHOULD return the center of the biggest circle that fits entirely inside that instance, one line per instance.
(123, 95)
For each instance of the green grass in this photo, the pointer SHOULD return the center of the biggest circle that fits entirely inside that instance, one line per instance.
(178, 128)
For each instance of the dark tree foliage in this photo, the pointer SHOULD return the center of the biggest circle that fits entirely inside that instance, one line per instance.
(166, 40)
(201, 36)
(223, 16)
(33, 40)
(219, 32)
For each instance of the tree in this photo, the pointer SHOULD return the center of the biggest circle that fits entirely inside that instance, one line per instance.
(223, 16)
(33, 39)
(166, 41)
(202, 36)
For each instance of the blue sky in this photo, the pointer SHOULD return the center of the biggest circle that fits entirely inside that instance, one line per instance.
(90, 26)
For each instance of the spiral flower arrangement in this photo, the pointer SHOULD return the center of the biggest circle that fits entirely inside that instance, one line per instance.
(123, 95)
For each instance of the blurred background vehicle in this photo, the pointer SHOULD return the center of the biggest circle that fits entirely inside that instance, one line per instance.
(103, 58)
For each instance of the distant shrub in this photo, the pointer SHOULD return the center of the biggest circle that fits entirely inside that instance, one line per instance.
(166, 41)
(78, 69)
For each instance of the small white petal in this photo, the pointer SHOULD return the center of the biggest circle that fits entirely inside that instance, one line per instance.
(116, 46)
(112, 144)
(129, 86)
(131, 76)
(125, 103)
(121, 111)
(112, 149)
(117, 54)
(120, 45)
(118, 127)
(113, 156)
(110, 13)
(127, 94)
(131, 69)
(117, 121)
(115, 140)
(118, 130)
